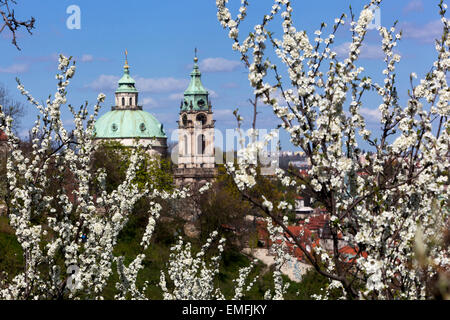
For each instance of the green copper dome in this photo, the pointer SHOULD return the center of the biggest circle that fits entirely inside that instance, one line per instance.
(127, 119)
(121, 124)
(195, 96)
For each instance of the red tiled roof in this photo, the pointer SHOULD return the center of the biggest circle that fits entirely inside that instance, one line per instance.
(305, 238)
(317, 222)
(305, 235)
(308, 236)
(3, 136)
(350, 253)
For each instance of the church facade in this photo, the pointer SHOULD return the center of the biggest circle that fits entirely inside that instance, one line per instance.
(128, 124)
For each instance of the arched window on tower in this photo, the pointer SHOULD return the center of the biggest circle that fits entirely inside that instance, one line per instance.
(201, 144)
(201, 118)
(185, 122)
(123, 101)
(131, 101)
(201, 103)
(185, 151)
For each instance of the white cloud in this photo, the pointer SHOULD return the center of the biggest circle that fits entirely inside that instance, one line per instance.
(152, 85)
(371, 115)
(223, 114)
(212, 93)
(219, 65)
(176, 96)
(149, 102)
(367, 51)
(413, 6)
(160, 85)
(15, 68)
(38, 59)
(68, 122)
(425, 34)
(104, 83)
(87, 58)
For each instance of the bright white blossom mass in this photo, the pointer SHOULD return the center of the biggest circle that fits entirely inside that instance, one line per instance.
(390, 206)
(57, 244)
(376, 202)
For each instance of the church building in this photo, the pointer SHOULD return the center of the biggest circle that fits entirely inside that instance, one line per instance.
(127, 122)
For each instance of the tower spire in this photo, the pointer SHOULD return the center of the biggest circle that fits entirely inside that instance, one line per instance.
(126, 60)
(195, 96)
(195, 60)
(126, 83)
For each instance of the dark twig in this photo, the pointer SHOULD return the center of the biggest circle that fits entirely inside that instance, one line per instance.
(11, 22)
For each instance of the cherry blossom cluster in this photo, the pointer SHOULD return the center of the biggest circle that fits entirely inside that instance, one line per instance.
(192, 277)
(376, 203)
(279, 249)
(81, 223)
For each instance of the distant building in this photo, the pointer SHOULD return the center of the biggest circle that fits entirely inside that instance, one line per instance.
(296, 160)
(303, 207)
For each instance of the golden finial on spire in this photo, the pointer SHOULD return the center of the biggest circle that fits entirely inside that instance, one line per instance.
(126, 59)
(195, 58)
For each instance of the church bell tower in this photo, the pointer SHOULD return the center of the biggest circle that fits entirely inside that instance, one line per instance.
(196, 159)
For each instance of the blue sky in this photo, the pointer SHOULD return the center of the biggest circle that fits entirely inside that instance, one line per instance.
(161, 36)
